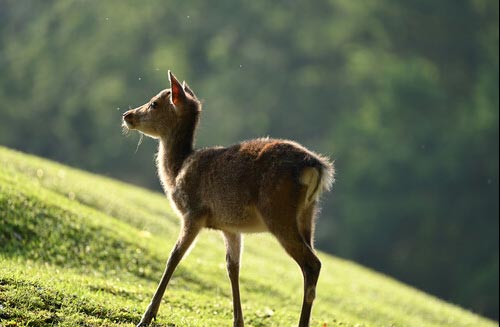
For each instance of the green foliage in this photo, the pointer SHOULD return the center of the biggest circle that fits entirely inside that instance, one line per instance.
(402, 94)
(82, 250)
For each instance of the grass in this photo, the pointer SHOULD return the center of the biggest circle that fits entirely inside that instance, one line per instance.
(78, 249)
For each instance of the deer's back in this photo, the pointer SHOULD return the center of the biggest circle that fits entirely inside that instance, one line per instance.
(229, 184)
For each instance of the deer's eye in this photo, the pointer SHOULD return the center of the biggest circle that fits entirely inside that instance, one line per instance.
(153, 105)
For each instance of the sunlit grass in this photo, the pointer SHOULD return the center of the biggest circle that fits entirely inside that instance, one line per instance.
(82, 250)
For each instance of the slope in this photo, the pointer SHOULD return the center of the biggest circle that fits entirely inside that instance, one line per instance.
(78, 249)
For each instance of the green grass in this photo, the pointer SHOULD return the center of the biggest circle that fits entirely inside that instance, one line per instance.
(78, 249)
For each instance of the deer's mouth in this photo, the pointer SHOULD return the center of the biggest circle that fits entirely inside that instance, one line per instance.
(128, 124)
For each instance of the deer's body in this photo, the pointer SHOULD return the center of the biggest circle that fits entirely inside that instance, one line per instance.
(254, 186)
(241, 175)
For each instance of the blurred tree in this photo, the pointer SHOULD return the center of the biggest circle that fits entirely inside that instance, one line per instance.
(404, 95)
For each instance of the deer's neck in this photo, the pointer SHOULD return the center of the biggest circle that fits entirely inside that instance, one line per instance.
(173, 150)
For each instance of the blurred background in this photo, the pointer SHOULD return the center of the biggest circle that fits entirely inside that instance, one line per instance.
(402, 94)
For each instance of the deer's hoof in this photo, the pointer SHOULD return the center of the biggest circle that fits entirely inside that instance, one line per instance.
(143, 323)
(146, 319)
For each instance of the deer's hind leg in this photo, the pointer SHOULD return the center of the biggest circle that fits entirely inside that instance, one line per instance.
(295, 245)
(283, 213)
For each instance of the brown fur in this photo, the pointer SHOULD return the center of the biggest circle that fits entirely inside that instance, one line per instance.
(254, 186)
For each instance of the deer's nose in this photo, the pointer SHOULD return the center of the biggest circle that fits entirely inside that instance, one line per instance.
(127, 116)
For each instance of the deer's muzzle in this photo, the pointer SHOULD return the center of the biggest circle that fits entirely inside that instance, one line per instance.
(128, 118)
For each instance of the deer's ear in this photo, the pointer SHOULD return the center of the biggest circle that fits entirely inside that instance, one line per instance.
(187, 89)
(178, 95)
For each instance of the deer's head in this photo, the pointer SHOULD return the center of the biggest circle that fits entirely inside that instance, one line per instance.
(168, 112)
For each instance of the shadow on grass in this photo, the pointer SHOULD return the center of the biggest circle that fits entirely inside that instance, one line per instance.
(45, 306)
(32, 230)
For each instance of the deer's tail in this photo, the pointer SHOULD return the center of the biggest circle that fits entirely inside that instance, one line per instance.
(318, 178)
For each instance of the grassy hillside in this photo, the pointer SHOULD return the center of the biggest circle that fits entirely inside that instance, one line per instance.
(82, 250)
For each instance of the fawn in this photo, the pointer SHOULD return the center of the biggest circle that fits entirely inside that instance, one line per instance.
(261, 185)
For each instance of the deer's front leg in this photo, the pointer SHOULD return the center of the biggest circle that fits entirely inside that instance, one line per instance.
(233, 254)
(189, 231)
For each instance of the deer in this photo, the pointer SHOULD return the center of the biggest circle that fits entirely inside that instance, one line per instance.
(260, 185)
